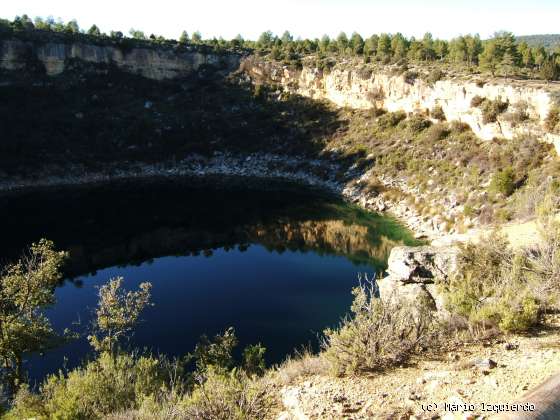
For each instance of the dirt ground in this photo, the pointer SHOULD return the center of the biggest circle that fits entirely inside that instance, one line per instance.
(465, 383)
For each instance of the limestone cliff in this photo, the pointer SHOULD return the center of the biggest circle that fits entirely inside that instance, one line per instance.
(357, 87)
(153, 63)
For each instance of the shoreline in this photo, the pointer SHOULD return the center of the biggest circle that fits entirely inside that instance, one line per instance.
(315, 173)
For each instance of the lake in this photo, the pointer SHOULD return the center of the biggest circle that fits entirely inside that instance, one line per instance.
(275, 261)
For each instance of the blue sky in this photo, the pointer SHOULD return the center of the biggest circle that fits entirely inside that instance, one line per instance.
(306, 18)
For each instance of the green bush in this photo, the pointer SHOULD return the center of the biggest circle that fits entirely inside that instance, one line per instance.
(391, 119)
(503, 182)
(437, 132)
(105, 385)
(416, 124)
(492, 288)
(232, 396)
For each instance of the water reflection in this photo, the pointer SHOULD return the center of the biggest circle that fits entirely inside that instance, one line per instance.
(129, 224)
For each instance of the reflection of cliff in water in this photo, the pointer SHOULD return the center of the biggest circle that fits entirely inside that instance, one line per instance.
(124, 224)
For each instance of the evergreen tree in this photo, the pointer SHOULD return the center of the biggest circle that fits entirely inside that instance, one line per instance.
(428, 52)
(265, 39)
(370, 46)
(416, 50)
(136, 34)
(458, 50)
(196, 37)
(399, 46)
(184, 38)
(342, 42)
(526, 55)
(507, 65)
(540, 56)
(324, 43)
(549, 70)
(357, 43)
(72, 27)
(384, 47)
(94, 31)
(286, 38)
(116, 34)
(23, 23)
(441, 49)
(490, 57)
(473, 49)
(238, 41)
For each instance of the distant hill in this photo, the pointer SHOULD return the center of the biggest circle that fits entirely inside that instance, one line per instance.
(549, 41)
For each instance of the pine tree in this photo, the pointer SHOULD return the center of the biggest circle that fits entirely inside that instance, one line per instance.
(286, 38)
(197, 37)
(490, 57)
(370, 46)
(507, 65)
(474, 48)
(94, 31)
(342, 42)
(324, 43)
(399, 46)
(428, 52)
(357, 43)
(549, 70)
(184, 38)
(384, 47)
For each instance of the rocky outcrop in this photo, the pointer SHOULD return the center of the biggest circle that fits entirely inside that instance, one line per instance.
(153, 63)
(413, 273)
(349, 85)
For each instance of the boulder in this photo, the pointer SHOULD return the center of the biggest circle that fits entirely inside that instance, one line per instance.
(413, 273)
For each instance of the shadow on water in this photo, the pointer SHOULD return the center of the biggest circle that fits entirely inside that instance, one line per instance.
(278, 265)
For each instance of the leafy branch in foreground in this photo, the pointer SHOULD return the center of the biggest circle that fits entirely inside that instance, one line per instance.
(26, 289)
(117, 313)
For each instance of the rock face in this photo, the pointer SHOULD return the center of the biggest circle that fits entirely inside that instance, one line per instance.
(153, 63)
(355, 88)
(413, 272)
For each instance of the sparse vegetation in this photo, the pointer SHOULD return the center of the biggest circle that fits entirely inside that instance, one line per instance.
(552, 121)
(379, 334)
(437, 113)
(503, 182)
(117, 381)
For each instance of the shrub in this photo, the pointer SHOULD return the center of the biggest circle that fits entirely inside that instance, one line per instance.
(491, 110)
(103, 386)
(437, 113)
(491, 287)
(379, 334)
(417, 124)
(437, 132)
(410, 76)
(391, 119)
(228, 396)
(503, 182)
(552, 121)
(476, 101)
(460, 127)
(435, 76)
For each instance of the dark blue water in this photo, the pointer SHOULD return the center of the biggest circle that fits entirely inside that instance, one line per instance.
(277, 265)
